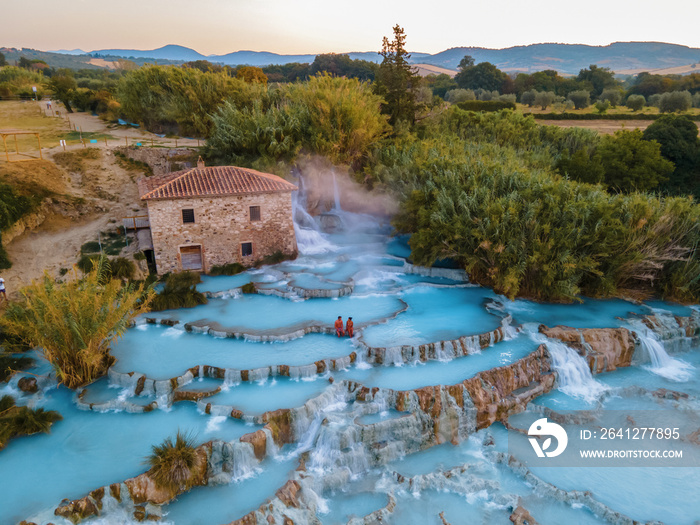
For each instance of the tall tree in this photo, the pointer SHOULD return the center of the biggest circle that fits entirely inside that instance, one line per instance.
(598, 78)
(678, 136)
(481, 76)
(396, 79)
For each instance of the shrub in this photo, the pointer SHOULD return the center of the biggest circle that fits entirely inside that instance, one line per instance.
(227, 269)
(122, 268)
(611, 95)
(459, 95)
(528, 98)
(602, 106)
(75, 322)
(275, 258)
(179, 291)
(580, 98)
(23, 421)
(249, 288)
(90, 247)
(174, 464)
(544, 99)
(675, 101)
(696, 100)
(636, 102)
(10, 364)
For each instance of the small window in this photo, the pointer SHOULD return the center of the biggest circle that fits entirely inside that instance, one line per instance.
(255, 213)
(246, 249)
(187, 216)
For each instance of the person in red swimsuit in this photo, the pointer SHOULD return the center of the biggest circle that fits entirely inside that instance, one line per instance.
(339, 326)
(349, 327)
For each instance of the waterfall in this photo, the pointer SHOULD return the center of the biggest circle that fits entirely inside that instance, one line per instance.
(661, 363)
(574, 377)
(309, 238)
(245, 464)
(336, 194)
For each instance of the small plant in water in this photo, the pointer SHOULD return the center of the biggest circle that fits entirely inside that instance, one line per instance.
(174, 463)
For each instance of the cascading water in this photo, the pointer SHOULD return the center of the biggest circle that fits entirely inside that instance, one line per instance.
(310, 241)
(653, 350)
(574, 377)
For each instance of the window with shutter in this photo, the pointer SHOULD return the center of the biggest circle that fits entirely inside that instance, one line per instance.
(246, 249)
(254, 213)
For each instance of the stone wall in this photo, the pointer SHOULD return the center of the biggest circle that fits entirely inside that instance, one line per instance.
(161, 160)
(221, 225)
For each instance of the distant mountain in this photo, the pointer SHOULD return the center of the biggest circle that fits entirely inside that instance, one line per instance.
(622, 57)
(169, 52)
(69, 51)
(571, 58)
(250, 58)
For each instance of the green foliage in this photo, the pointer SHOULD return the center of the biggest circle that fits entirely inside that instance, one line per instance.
(174, 464)
(485, 105)
(480, 190)
(636, 102)
(343, 66)
(341, 117)
(3, 62)
(481, 76)
(241, 136)
(175, 99)
(455, 96)
(63, 86)
(441, 84)
(396, 79)
(612, 95)
(581, 98)
(179, 291)
(631, 163)
(75, 322)
(18, 82)
(227, 269)
(678, 137)
(602, 106)
(18, 421)
(528, 98)
(675, 101)
(251, 74)
(10, 364)
(596, 78)
(335, 117)
(544, 99)
(249, 288)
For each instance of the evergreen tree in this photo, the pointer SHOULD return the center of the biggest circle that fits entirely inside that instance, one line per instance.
(396, 79)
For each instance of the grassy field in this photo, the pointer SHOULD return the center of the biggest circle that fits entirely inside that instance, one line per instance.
(28, 116)
(619, 110)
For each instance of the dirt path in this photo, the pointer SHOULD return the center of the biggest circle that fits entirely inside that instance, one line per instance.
(105, 187)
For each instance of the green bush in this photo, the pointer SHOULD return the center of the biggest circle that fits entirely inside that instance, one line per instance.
(485, 105)
(174, 463)
(22, 421)
(10, 364)
(179, 291)
(116, 268)
(249, 288)
(227, 269)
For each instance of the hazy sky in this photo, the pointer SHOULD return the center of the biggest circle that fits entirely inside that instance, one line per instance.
(316, 26)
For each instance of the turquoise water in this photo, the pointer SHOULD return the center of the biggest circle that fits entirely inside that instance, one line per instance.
(222, 504)
(162, 352)
(88, 450)
(265, 314)
(442, 372)
(427, 320)
(91, 449)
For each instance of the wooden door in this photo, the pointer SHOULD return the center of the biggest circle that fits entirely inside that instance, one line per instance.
(191, 258)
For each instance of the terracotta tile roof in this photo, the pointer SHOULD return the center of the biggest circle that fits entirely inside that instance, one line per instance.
(211, 181)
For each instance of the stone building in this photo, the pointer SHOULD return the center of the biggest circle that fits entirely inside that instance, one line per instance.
(214, 215)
